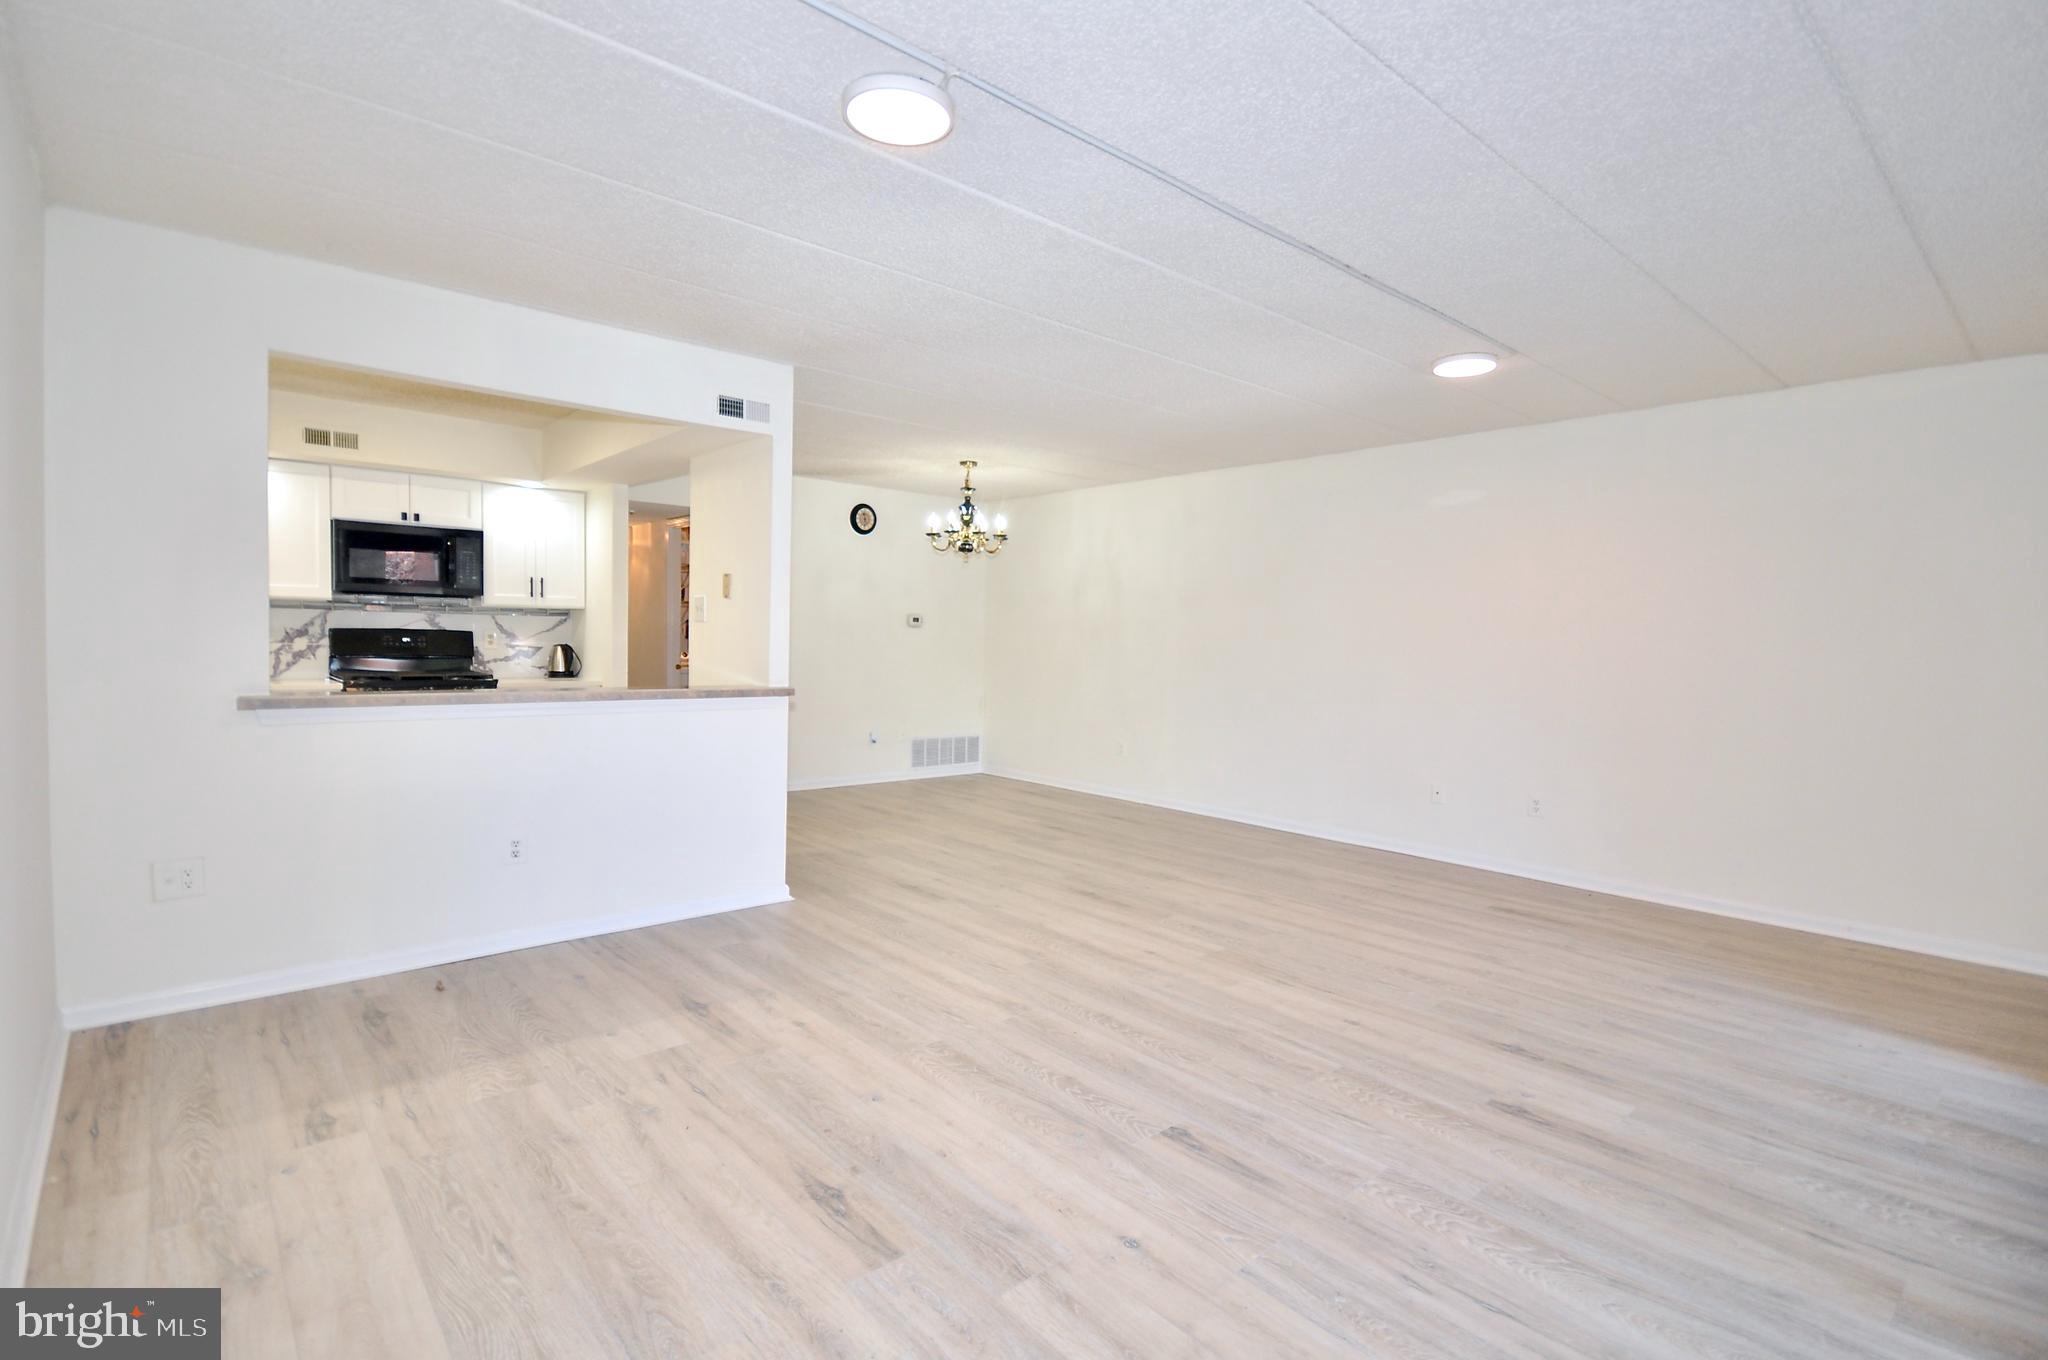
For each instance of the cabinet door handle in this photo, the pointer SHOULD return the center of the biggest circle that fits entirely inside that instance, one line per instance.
(529, 587)
(543, 587)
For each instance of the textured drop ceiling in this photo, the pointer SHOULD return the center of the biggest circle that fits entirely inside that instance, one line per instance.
(1642, 201)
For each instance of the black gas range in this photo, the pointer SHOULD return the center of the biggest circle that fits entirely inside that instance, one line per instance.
(374, 659)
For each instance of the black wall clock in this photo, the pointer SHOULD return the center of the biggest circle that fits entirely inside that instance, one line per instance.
(862, 518)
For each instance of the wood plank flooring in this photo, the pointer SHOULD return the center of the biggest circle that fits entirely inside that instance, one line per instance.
(1150, 1085)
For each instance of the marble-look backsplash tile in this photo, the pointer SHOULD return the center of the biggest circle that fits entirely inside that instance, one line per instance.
(510, 644)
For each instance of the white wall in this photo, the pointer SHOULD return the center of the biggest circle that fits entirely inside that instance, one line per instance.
(731, 495)
(606, 549)
(333, 846)
(570, 445)
(395, 436)
(30, 1040)
(670, 491)
(857, 667)
(1781, 655)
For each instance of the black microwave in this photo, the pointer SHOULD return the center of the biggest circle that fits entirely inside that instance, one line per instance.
(407, 559)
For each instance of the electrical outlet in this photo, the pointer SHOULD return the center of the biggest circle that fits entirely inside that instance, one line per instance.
(518, 852)
(171, 879)
(1535, 807)
(1437, 795)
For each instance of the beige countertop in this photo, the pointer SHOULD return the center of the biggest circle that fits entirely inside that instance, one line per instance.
(569, 692)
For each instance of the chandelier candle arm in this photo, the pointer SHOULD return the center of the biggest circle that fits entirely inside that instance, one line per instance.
(962, 530)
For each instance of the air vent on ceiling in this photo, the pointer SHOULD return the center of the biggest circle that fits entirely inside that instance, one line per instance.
(926, 752)
(324, 438)
(739, 408)
(344, 439)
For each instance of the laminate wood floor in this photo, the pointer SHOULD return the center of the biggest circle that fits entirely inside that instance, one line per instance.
(1151, 1085)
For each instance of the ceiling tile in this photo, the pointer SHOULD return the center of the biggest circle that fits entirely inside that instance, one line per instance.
(690, 142)
(1708, 144)
(1955, 99)
(1034, 167)
(1642, 203)
(1266, 107)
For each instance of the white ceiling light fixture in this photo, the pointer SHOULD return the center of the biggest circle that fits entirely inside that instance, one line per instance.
(898, 110)
(1464, 365)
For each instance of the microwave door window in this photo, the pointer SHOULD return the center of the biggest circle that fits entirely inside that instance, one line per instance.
(394, 566)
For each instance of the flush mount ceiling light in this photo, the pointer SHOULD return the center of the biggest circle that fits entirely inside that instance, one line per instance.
(898, 110)
(1464, 365)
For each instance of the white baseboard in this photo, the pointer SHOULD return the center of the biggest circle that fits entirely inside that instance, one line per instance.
(1917, 942)
(894, 776)
(283, 980)
(25, 1194)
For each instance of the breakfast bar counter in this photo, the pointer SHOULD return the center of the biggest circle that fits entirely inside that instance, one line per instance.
(538, 693)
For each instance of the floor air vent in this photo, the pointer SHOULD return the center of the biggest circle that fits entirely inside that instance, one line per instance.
(926, 752)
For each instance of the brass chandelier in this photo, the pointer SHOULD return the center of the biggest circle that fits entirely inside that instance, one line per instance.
(962, 530)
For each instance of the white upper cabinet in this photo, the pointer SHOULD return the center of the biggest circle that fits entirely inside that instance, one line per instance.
(533, 547)
(533, 537)
(379, 497)
(372, 494)
(509, 577)
(301, 540)
(558, 548)
(447, 502)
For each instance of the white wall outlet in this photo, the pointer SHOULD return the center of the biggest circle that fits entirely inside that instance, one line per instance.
(1437, 795)
(170, 879)
(518, 855)
(913, 620)
(1535, 807)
